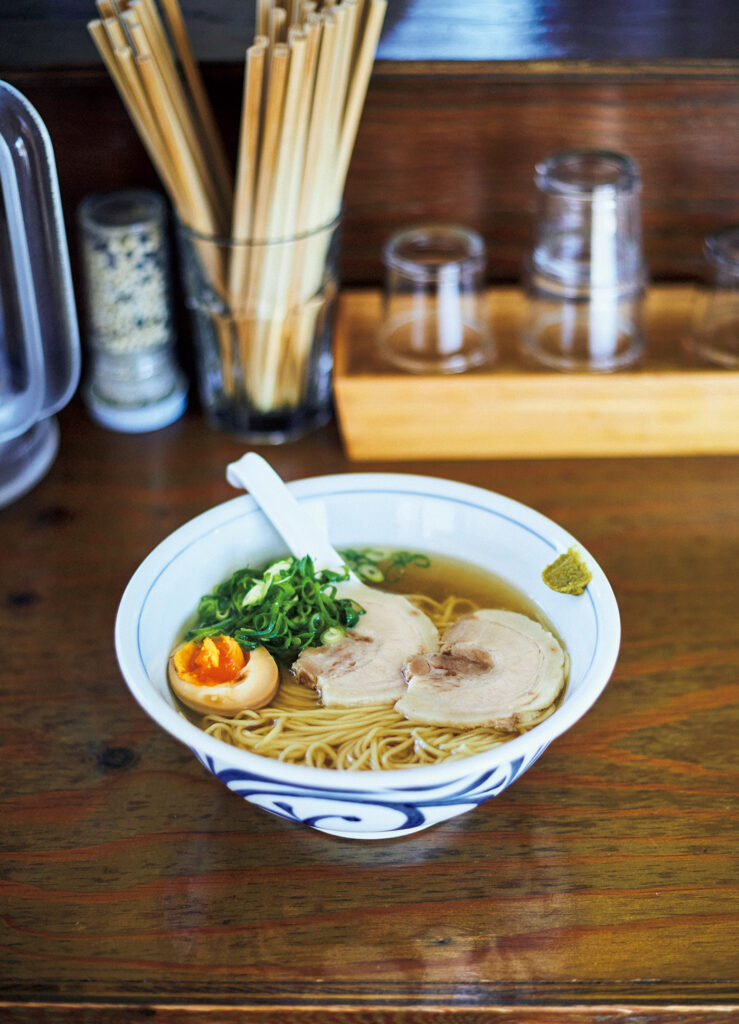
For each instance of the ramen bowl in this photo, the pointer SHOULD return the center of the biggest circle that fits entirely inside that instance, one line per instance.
(367, 509)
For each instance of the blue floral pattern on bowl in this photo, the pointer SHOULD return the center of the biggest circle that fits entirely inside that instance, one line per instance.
(392, 813)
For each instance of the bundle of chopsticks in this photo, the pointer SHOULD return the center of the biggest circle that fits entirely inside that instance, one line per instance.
(305, 81)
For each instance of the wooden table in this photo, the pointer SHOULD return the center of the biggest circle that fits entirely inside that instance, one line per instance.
(603, 883)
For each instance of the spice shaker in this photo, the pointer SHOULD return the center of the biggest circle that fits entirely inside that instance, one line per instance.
(133, 382)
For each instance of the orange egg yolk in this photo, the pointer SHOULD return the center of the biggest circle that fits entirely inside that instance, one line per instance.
(215, 660)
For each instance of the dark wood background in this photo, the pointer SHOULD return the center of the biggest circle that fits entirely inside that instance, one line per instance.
(464, 100)
(51, 33)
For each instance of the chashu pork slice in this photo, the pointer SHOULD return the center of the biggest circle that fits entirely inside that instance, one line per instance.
(495, 668)
(366, 666)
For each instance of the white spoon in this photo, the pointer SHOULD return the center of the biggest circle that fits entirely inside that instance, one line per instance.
(402, 629)
(301, 534)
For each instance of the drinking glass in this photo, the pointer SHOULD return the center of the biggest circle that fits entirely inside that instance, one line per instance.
(715, 335)
(262, 316)
(434, 304)
(585, 278)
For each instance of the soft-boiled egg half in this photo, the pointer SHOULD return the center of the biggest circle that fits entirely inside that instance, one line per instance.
(215, 674)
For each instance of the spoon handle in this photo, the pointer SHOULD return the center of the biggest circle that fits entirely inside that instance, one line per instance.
(292, 522)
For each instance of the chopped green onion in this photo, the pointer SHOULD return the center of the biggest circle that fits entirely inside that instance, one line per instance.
(278, 568)
(285, 608)
(290, 606)
(332, 636)
(401, 559)
(378, 565)
(256, 593)
(376, 554)
(371, 573)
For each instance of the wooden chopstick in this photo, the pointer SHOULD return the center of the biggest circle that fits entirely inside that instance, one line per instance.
(181, 39)
(306, 77)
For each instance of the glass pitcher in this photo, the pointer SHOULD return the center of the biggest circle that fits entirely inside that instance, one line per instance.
(39, 336)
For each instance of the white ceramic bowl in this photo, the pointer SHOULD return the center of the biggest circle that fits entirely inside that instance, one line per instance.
(393, 510)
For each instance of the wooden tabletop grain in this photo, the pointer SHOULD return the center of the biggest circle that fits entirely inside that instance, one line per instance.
(601, 886)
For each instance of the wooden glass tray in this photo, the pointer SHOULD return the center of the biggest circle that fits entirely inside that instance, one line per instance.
(669, 404)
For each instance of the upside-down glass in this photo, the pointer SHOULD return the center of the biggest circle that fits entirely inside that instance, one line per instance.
(434, 305)
(585, 278)
(715, 335)
(262, 316)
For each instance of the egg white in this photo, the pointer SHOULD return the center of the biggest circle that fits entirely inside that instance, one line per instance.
(254, 686)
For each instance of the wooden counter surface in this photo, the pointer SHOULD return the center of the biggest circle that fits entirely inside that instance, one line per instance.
(601, 886)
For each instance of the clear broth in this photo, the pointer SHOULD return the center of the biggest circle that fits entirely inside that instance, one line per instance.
(447, 576)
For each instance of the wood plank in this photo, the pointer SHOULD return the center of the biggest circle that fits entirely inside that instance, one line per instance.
(601, 888)
(670, 404)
